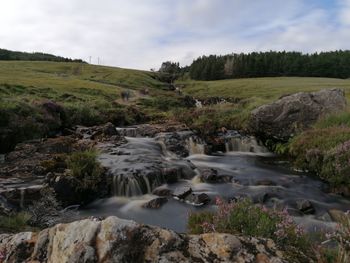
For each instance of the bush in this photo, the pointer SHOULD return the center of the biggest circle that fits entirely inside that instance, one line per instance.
(245, 218)
(85, 169)
(14, 223)
(326, 152)
(336, 165)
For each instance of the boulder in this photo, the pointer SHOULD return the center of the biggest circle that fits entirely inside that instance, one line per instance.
(162, 191)
(291, 114)
(155, 203)
(182, 192)
(117, 240)
(197, 199)
(210, 175)
(305, 206)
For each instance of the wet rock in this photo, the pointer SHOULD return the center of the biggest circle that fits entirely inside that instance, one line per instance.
(182, 192)
(5, 207)
(100, 133)
(22, 197)
(174, 143)
(155, 203)
(197, 199)
(118, 240)
(162, 191)
(262, 197)
(211, 175)
(291, 114)
(305, 206)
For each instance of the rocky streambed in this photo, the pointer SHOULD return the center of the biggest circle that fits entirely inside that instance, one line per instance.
(157, 175)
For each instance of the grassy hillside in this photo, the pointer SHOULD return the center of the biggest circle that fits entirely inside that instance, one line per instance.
(250, 93)
(264, 88)
(38, 98)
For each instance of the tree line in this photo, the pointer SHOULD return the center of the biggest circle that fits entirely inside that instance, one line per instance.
(335, 64)
(35, 56)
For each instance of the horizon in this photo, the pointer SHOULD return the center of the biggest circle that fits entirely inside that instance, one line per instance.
(143, 35)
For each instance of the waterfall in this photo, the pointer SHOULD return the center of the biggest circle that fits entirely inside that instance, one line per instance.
(130, 185)
(128, 132)
(244, 144)
(195, 146)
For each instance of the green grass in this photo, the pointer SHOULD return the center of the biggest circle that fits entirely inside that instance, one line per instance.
(266, 89)
(14, 223)
(68, 82)
(88, 95)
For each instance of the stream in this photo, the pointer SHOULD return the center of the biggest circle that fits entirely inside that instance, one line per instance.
(255, 173)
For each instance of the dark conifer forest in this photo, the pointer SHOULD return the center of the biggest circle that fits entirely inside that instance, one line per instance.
(35, 56)
(335, 64)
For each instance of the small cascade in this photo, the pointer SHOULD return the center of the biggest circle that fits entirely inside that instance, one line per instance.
(2, 158)
(21, 202)
(135, 185)
(130, 185)
(199, 104)
(128, 132)
(240, 143)
(195, 145)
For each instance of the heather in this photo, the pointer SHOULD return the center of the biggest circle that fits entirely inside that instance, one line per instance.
(245, 218)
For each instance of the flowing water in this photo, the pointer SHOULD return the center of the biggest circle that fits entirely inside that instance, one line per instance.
(255, 173)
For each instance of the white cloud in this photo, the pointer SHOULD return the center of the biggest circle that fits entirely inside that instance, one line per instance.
(345, 12)
(142, 34)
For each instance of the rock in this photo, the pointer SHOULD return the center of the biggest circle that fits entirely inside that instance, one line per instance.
(162, 191)
(174, 143)
(117, 240)
(305, 206)
(291, 114)
(5, 207)
(155, 203)
(100, 133)
(182, 192)
(197, 199)
(210, 175)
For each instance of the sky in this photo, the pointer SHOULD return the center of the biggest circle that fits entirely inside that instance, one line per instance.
(144, 33)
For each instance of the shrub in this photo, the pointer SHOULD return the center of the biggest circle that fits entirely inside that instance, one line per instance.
(14, 223)
(245, 218)
(336, 165)
(85, 169)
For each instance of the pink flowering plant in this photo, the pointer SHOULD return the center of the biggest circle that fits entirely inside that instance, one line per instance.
(336, 165)
(245, 218)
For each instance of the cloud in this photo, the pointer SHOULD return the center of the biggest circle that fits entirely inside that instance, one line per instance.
(142, 34)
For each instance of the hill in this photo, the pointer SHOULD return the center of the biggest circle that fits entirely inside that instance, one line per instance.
(40, 98)
(35, 56)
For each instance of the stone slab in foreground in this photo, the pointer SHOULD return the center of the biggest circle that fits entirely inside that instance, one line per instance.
(118, 240)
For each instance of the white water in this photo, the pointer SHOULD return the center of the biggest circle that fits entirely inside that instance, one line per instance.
(247, 168)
